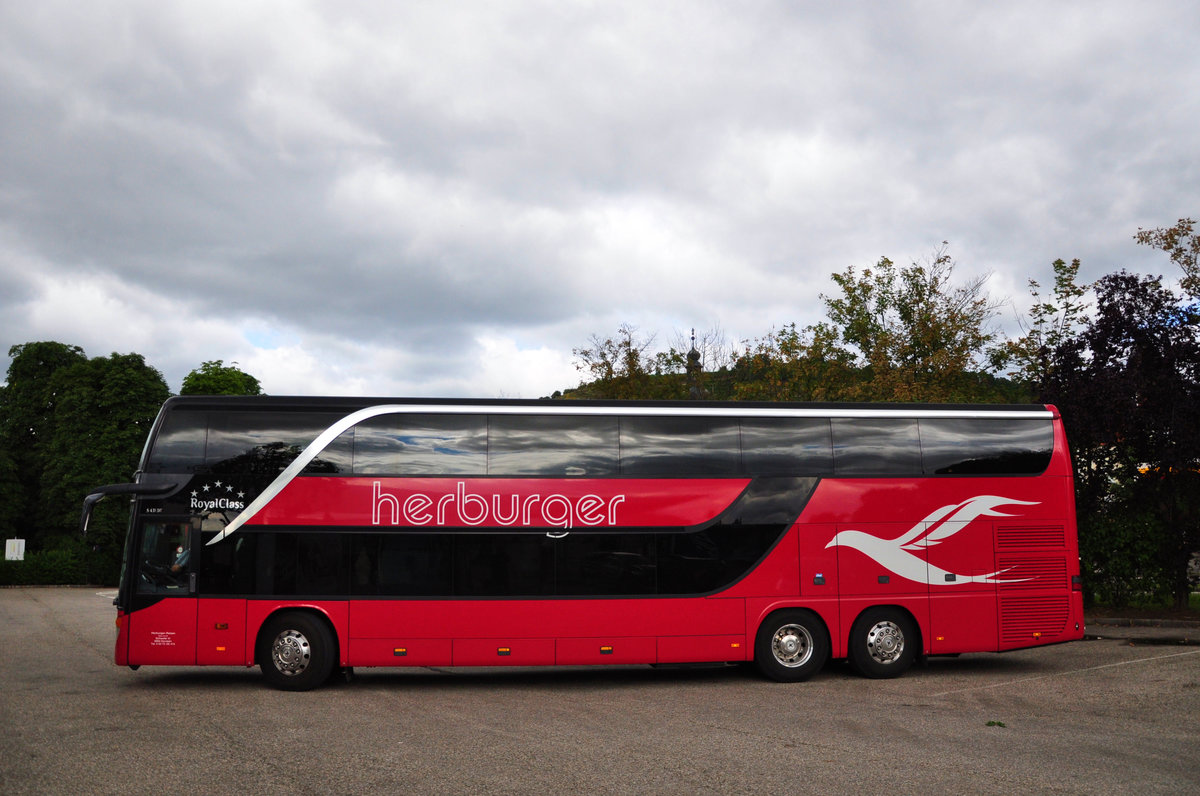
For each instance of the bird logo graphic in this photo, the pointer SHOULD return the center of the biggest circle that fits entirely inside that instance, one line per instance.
(897, 555)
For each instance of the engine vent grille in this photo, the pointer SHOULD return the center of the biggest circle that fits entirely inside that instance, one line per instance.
(1024, 619)
(1031, 572)
(1020, 537)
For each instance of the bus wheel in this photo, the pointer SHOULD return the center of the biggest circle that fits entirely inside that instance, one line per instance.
(296, 651)
(791, 646)
(883, 643)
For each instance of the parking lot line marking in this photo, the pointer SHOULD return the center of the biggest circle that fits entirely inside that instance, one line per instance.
(1060, 674)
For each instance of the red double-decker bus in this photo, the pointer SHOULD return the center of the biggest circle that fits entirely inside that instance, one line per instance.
(312, 535)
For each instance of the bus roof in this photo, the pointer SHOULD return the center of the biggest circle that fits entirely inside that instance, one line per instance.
(593, 407)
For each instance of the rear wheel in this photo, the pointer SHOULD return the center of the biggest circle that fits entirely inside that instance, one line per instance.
(883, 643)
(296, 651)
(791, 646)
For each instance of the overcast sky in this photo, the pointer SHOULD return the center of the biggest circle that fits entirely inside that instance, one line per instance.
(446, 198)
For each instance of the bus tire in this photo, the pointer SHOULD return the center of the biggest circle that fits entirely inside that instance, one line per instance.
(792, 645)
(883, 643)
(296, 651)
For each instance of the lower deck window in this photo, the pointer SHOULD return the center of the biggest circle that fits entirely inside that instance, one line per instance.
(425, 565)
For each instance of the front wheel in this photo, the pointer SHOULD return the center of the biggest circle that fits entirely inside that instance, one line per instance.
(296, 651)
(791, 646)
(883, 643)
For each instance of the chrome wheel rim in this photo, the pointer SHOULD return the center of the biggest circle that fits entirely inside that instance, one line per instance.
(885, 642)
(792, 646)
(291, 652)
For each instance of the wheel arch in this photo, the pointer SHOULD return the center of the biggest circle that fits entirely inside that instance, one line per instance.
(848, 627)
(335, 614)
(763, 612)
(315, 611)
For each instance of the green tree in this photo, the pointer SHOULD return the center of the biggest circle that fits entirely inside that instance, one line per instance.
(105, 408)
(791, 364)
(11, 497)
(892, 334)
(1054, 321)
(1129, 389)
(27, 406)
(217, 378)
(914, 333)
(624, 367)
(70, 424)
(1182, 244)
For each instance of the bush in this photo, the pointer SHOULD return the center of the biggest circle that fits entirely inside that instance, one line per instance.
(1121, 559)
(68, 562)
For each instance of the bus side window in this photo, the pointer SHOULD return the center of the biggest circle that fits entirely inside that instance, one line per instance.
(421, 445)
(876, 447)
(670, 447)
(228, 566)
(179, 446)
(553, 446)
(986, 446)
(787, 446)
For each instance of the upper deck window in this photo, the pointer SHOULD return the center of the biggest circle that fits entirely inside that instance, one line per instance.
(679, 446)
(986, 446)
(421, 445)
(876, 446)
(267, 442)
(243, 442)
(179, 444)
(787, 446)
(552, 445)
(637, 445)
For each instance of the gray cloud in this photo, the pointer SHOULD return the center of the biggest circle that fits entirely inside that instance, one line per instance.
(400, 197)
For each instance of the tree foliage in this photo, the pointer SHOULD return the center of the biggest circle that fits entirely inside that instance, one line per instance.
(916, 334)
(892, 334)
(29, 398)
(12, 496)
(1054, 320)
(106, 407)
(1128, 386)
(1182, 245)
(791, 364)
(27, 409)
(217, 378)
(70, 424)
(625, 367)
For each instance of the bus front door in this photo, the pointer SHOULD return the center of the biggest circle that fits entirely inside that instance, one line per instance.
(162, 622)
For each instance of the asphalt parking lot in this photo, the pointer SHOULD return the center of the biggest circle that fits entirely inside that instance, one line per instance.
(1114, 714)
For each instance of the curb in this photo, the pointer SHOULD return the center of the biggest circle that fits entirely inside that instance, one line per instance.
(1182, 624)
